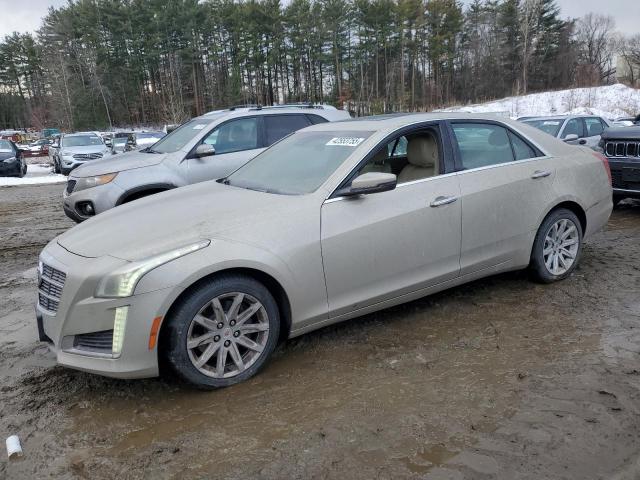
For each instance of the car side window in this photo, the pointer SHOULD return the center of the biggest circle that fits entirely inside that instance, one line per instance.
(594, 126)
(521, 149)
(315, 119)
(410, 157)
(573, 127)
(234, 136)
(482, 145)
(279, 126)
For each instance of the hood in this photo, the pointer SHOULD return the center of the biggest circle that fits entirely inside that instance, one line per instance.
(171, 219)
(621, 133)
(120, 163)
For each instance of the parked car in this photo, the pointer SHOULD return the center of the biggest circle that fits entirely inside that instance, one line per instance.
(622, 148)
(328, 224)
(12, 162)
(146, 139)
(38, 148)
(573, 129)
(75, 149)
(623, 122)
(205, 148)
(122, 142)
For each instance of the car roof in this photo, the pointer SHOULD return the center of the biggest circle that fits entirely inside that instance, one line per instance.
(398, 120)
(326, 111)
(84, 134)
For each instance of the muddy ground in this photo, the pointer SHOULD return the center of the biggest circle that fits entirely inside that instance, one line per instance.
(502, 378)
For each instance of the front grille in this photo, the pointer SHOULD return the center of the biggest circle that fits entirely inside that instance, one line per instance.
(622, 148)
(50, 285)
(71, 184)
(87, 156)
(100, 342)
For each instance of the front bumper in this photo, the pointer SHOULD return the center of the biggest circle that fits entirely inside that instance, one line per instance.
(625, 176)
(102, 198)
(80, 313)
(10, 169)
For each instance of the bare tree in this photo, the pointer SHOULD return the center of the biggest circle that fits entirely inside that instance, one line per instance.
(528, 19)
(628, 49)
(595, 38)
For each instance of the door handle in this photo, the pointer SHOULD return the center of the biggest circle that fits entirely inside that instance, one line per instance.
(540, 174)
(440, 201)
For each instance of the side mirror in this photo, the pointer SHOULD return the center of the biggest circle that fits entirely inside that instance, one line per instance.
(371, 182)
(204, 150)
(571, 137)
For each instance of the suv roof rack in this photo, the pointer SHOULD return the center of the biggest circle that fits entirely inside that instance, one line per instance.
(311, 105)
(247, 105)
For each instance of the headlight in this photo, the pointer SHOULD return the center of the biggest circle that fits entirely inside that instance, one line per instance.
(88, 182)
(122, 282)
(10, 159)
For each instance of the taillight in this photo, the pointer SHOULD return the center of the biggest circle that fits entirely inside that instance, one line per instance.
(605, 162)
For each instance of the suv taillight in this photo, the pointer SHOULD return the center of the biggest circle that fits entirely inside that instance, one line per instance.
(605, 162)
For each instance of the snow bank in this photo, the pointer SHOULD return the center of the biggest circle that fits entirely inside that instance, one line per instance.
(611, 101)
(36, 175)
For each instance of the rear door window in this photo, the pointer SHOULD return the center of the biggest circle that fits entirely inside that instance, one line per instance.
(521, 149)
(315, 119)
(482, 145)
(279, 126)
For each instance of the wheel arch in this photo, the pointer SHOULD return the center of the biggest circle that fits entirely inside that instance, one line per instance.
(143, 191)
(274, 286)
(574, 207)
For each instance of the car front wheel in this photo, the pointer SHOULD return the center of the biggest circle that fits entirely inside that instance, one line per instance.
(557, 246)
(222, 332)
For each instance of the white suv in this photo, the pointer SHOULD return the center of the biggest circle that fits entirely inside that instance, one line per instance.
(205, 148)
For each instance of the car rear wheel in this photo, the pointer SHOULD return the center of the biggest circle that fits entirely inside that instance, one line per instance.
(557, 246)
(222, 333)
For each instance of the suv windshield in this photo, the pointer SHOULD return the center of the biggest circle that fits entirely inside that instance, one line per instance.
(5, 146)
(182, 135)
(81, 141)
(298, 164)
(548, 126)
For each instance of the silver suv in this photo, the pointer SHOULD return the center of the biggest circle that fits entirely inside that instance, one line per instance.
(572, 129)
(205, 148)
(75, 149)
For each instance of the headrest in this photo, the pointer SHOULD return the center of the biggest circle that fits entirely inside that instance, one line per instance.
(422, 151)
(497, 138)
(381, 156)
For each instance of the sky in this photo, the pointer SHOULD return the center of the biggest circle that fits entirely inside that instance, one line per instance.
(26, 15)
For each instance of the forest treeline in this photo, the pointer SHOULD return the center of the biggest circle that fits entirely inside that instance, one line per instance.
(101, 63)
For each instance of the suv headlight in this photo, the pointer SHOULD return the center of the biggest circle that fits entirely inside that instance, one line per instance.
(122, 282)
(89, 182)
(10, 159)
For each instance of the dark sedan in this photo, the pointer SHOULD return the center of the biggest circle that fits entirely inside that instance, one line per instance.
(12, 163)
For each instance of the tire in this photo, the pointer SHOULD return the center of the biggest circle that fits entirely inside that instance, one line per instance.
(547, 239)
(22, 169)
(182, 328)
(56, 166)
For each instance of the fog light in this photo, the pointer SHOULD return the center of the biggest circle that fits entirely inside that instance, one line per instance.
(86, 208)
(119, 324)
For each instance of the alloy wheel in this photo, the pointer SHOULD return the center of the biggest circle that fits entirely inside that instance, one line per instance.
(228, 335)
(561, 244)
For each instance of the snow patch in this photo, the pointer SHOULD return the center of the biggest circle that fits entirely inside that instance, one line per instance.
(611, 102)
(40, 174)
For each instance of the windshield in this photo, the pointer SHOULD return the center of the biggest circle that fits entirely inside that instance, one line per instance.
(181, 136)
(298, 164)
(120, 140)
(5, 146)
(81, 141)
(145, 136)
(552, 127)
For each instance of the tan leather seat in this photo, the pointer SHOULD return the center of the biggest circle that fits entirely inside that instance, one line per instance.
(422, 155)
(377, 163)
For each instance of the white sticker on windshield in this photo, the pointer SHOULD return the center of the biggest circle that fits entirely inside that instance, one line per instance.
(345, 141)
(551, 122)
(199, 126)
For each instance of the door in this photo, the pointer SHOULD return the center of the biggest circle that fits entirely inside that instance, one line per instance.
(505, 183)
(594, 127)
(380, 246)
(574, 126)
(235, 142)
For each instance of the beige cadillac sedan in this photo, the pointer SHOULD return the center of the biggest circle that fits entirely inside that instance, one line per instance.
(334, 221)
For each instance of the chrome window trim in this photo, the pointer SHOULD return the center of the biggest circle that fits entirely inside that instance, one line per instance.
(515, 162)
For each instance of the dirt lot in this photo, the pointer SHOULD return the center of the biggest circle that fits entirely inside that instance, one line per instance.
(501, 378)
